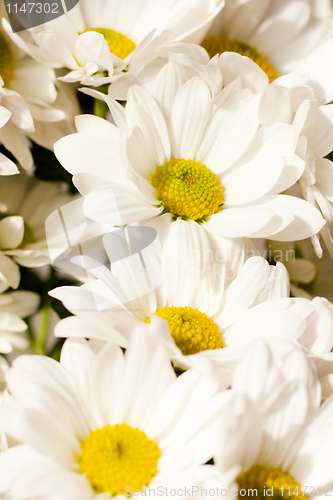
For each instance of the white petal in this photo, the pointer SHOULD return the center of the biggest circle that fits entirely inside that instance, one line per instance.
(238, 123)
(9, 271)
(83, 152)
(232, 65)
(148, 104)
(11, 232)
(190, 114)
(240, 222)
(15, 143)
(319, 130)
(130, 205)
(56, 48)
(5, 114)
(187, 263)
(251, 181)
(308, 220)
(7, 167)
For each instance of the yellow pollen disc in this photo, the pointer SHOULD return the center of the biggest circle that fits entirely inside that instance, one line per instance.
(7, 60)
(117, 456)
(221, 43)
(188, 189)
(261, 478)
(191, 329)
(119, 44)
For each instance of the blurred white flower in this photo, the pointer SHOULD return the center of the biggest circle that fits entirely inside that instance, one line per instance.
(277, 34)
(25, 203)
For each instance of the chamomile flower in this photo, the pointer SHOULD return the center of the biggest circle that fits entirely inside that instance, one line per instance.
(276, 34)
(274, 433)
(183, 155)
(206, 324)
(100, 421)
(99, 44)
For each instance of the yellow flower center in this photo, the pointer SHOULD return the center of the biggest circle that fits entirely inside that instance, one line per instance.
(117, 456)
(191, 329)
(262, 478)
(221, 43)
(7, 60)
(119, 44)
(188, 189)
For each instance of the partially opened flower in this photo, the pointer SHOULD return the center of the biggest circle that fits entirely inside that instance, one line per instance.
(277, 34)
(274, 433)
(100, 43)
(102, 424)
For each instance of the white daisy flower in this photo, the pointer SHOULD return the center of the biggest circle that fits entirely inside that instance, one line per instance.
(25, 204)
(274, 431)
(183, 155)
(209, 324)
(100, 43)
(98, 422)
(277, 34)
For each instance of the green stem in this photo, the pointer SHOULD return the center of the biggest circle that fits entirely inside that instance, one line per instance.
(100, 108)
(56, 349)
(41, 339)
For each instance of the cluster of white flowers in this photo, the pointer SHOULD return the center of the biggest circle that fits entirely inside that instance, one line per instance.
(166, 188)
